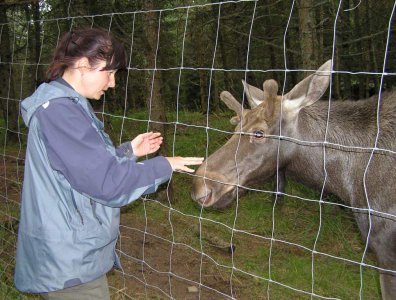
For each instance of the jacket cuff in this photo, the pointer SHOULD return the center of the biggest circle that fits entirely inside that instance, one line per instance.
(125, 150)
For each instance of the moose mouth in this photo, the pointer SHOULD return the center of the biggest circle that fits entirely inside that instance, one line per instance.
(209, 200)
(205, 200)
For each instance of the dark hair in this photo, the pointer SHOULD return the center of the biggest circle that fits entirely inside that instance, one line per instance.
(94, 44)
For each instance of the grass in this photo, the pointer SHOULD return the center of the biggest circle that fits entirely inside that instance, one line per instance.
(262, 265)
(291, 261)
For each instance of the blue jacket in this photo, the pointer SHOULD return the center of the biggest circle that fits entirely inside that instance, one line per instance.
(67, 233)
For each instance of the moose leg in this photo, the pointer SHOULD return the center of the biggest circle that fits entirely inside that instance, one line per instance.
(388, 286)
(383, 242)
(386, 255)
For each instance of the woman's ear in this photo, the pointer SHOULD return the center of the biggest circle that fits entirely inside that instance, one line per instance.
(83, 65)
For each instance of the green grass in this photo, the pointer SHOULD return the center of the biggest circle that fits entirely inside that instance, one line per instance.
(295, 227)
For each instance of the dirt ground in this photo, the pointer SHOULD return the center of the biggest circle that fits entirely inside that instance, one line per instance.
(156, 268)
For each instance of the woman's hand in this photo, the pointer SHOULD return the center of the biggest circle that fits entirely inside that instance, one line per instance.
(146, 143)
(179, 163)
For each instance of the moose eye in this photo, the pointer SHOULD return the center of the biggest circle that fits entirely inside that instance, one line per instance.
(258, 134)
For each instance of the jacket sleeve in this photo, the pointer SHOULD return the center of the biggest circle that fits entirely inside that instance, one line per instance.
(125, 150)
(76, 150)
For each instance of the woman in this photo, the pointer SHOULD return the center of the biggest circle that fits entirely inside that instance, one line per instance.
(75, 180)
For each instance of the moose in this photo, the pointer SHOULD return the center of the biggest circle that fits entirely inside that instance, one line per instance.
(324, 145)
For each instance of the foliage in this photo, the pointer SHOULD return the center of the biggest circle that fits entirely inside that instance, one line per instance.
(216, 45)
(203, 48)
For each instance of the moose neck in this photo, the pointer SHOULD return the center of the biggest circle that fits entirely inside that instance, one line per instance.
(351, 124)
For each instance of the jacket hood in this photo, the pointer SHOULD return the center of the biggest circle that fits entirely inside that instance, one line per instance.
(44, 93)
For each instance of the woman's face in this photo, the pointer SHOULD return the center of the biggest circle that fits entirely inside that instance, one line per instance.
(94, 82)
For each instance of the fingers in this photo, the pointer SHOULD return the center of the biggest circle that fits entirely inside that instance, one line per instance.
(153, 148)
(154, 135)
(157, 140)
(151, 135)
(154, 138)
(147, 143)
(181, 163)
(155, 144)
(186, 169)
(190, 161)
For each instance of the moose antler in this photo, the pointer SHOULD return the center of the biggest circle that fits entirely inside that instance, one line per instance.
(232, 104)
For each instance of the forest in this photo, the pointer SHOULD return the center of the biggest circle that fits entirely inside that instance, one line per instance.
(182, 54)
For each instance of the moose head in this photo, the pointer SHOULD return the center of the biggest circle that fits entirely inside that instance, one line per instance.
(251, 155)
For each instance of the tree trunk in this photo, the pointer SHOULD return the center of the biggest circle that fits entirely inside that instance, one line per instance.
(40, 74)
(374, 64)
(216, 91)
(308, 42)
(9, 104)
(321, 35)
(200, 54)
(270, 48)
(155, 103)
(202, 91)
(338, 40)
(29, 76)
(66, 25)
(344, 24)
(221, 47)
(361, 46)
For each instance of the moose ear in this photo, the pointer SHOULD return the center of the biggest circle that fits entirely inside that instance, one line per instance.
(254, 95)
(310, 89)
